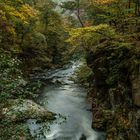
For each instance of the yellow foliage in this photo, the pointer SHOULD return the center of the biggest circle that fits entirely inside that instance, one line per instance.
(2, 15)
(13, 14)
(11, 31)
(104, 1)
(102, 29)
(28, 11)
(23, 12)
(18, 15)
(88, 37)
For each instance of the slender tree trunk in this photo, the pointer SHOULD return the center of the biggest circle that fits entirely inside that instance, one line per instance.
(78, 13)
(129, 5)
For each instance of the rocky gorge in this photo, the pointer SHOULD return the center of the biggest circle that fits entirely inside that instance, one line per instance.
(115, 90)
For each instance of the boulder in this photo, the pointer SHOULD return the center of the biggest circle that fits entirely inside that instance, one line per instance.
(20, 110)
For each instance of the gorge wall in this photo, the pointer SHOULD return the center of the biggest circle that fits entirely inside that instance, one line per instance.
(115, 90)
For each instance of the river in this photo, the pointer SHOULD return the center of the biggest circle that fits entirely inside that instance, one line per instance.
(69, 102)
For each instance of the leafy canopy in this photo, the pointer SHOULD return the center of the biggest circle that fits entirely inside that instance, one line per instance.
(88, 37)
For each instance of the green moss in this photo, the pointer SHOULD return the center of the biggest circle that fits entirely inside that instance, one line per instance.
(83, 75)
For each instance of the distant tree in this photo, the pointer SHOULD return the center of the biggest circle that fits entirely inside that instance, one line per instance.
(75, 7)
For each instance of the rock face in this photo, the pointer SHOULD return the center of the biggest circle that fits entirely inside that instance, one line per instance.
(115, 91)
(13, 115)
(19, 110)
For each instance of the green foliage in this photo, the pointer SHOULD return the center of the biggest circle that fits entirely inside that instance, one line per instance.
(69, 5)
(88, 37)
(31, 37)
(11, 78)
(15, 20)
(83, 75)
(54, 28)
(31, 33)
(12, 83)
(28, 29)
(122, 14)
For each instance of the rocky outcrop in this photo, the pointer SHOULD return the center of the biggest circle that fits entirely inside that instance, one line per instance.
(115, 91)
(19, 110)
(13, 116)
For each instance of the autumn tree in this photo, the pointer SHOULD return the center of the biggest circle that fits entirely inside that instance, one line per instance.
(28, 28)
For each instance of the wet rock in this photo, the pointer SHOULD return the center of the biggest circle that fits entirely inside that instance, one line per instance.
(57, 81)
(20, 110)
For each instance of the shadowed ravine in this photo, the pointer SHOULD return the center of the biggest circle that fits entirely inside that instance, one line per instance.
(69, 100)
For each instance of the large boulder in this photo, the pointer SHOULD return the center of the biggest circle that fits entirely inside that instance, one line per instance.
(14, 113)
(19, 110)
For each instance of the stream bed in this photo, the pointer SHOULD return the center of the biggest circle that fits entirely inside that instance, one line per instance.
(69, 102)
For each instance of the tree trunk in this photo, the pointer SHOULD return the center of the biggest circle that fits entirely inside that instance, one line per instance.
(78, 13)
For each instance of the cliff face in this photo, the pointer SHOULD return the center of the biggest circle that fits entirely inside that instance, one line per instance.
(115, 91)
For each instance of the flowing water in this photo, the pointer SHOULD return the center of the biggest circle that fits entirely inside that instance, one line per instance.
(69, 101)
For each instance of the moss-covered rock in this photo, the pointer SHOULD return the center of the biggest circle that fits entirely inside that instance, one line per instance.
(19, 110)
(13, 116)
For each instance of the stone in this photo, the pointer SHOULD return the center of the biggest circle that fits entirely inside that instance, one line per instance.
(20, 110)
